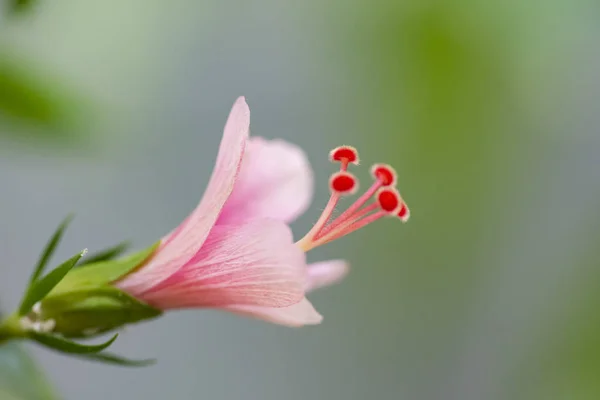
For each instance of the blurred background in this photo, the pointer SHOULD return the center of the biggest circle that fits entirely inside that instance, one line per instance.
(488, 110)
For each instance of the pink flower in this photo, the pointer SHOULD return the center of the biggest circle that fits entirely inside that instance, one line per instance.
(236, 252)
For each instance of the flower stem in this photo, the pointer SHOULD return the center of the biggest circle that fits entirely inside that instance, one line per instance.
(10, 329)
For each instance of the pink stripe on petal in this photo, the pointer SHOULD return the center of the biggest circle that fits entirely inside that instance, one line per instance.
(184, 241)
(256, 264)
(297, 315)
(325, 273)
(275, 181)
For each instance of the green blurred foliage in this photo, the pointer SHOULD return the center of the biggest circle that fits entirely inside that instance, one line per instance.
(20, 5)
(567, 353)
(454, 89)
(33, 106)
(20, 378)
(439, 94)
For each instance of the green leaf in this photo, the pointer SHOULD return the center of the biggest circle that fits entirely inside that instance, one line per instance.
(106, 255)
(41, 288)
(114, 359)
(67, 346)
(104, 272)
(49, 250)
(94, 311)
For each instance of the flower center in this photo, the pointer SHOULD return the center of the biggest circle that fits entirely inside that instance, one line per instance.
(380, 200)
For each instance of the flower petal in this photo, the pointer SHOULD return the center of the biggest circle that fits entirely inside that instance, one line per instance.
(325, 273)
(255, 264)
(275, 181)
(181, 244)
(297, 315)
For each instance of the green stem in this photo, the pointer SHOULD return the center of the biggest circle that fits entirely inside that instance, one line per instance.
(10, 329)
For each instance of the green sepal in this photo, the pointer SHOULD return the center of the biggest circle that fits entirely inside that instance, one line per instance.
(105, 255)
(92, 311)
(40, 288)
(66, 346)
(104, 272)
(113, 359)
(49, 249)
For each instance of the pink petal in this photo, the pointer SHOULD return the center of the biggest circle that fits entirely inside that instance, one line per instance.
(297, 315)
(275, 181)
(325, 273)
(318, 275)
(179, 246)
(252, 264)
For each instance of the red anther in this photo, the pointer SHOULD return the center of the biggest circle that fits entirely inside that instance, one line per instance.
(389, 200)
(344, 154)
(385, 173)
(404, 214)
(343, 182)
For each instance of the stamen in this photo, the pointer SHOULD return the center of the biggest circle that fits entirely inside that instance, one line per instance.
(348, 227)
(304, 243)
(344, 155)
(388, 201)
(353, 208)
(353, 218)
(404, 212)
(385, 173)
(343, 183)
